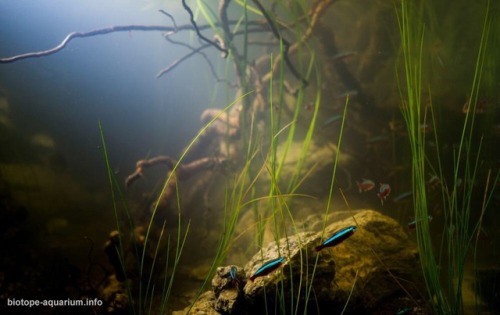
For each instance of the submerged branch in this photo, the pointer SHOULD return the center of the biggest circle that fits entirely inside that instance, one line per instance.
(200, 35)
(141, 164)
(314, 15)
(169, 16)
(183, 172)
(108, 30)
(193, 51)
(286, 44)
(178, 61)
(101, 31)
(223, 4)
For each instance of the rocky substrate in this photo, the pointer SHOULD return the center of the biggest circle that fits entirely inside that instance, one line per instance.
(374, 267)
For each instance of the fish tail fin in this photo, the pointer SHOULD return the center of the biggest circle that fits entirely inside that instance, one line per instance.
(359, 186)
(381, 198)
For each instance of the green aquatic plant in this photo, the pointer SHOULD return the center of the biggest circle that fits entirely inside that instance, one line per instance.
(115, 189)
(266, 155)
(244, 191)
(412, 35)
(329, 204)
(259, 179)
(139, 304)
(443, 266)
(143, 302)
(280, 212)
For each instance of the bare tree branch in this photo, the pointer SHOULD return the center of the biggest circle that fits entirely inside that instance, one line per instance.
(112, 29)
(197, 50)
(101, 31)
(314, 14)
(286, 44)
(223, 4)
(141, 164)
(200, 35)
(173, 22)
(192, 53)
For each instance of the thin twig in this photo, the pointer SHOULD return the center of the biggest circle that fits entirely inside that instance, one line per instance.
(314, 14)
(198, 50)
(196, 28)
(101, 31)
(170, 16)
(286, 44)
(119, 28)
(173, 22)
(178, 61)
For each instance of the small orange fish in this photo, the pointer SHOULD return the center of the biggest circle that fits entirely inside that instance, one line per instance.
(309, 106)
(480, 108)
(383, 192)
(365, 185)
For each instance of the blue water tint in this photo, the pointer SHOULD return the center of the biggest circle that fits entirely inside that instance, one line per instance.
(109, 78)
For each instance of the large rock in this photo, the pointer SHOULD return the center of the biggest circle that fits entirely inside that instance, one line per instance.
(204, 305)
(362, 271)
(228, 288)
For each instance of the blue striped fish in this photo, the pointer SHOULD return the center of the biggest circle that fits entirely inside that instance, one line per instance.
(268, 267)
(337, 238)
(232, 272)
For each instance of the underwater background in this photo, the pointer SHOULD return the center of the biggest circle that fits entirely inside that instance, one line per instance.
(161, 172)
